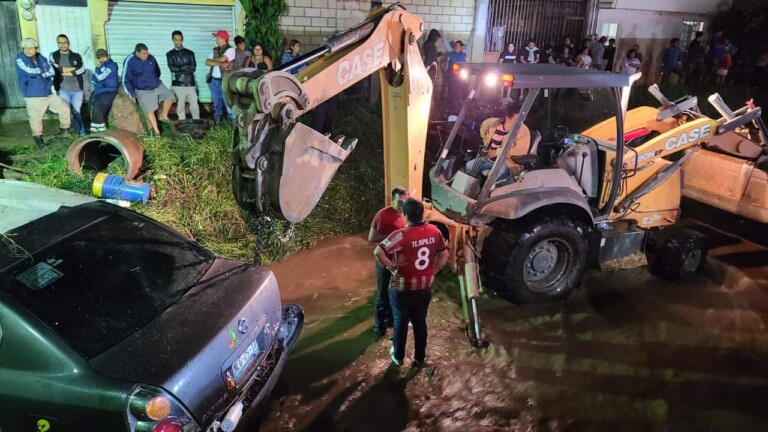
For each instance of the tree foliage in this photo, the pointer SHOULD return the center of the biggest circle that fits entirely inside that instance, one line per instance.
(261, 18)
(744, 24)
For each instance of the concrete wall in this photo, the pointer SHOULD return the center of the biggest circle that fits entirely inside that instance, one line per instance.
(684, 6)
(311, 20)
(651, 30)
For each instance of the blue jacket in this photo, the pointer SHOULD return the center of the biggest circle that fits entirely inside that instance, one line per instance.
(35, 75)
(140, 75)
(104, 78)
(287, 57)
(456, 57)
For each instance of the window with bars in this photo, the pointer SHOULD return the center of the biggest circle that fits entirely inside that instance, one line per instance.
(545, 22)
(689, 32)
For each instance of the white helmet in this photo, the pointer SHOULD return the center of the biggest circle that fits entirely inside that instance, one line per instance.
(29, 43)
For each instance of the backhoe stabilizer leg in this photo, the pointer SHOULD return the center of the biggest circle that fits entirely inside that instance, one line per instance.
(470, 287)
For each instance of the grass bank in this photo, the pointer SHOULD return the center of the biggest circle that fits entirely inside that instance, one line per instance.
(194, 196)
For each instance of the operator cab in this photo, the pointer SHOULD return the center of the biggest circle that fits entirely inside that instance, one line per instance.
(552, 145)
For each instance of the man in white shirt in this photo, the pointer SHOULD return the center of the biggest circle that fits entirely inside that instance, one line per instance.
(220, 60)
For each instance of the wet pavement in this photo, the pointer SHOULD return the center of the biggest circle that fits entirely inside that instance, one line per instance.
(626, 352)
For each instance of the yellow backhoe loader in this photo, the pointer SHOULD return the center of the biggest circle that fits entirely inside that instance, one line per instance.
(583, 199)
(730, 172)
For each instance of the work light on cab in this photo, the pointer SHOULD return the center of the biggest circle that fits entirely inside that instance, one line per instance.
(464, 73)
(491, 79)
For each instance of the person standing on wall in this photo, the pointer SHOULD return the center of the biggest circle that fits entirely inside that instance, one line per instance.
(68, 81)
(182, 63)
(414, 255)
(222, 57)
(35, 81)
(387, 220)
(105, 84)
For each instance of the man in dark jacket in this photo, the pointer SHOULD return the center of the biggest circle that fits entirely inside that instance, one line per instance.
(696, 57)
(35, 81)
(141, 80)
(104, 81)
(182, 64)
(68, 81)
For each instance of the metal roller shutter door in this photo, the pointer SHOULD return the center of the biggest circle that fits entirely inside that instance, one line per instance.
(152, 23)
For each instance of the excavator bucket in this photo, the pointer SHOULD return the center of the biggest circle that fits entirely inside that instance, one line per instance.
(300, 169)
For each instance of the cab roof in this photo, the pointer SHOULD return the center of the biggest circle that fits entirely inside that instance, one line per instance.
(542, 75)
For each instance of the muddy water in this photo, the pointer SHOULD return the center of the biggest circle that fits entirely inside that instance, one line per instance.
(626, 352)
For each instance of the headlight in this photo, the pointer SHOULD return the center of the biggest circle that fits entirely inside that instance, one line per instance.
(491, 79)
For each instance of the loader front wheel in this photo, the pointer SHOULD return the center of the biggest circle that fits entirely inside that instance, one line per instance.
(542, 259)
(683, 252)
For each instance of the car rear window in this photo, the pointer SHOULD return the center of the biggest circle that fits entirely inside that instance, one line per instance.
(104, 282)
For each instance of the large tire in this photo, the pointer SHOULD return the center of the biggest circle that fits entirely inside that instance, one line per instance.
(538, 259)
(683, 252)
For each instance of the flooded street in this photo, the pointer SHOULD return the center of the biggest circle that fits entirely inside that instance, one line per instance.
(626, 352)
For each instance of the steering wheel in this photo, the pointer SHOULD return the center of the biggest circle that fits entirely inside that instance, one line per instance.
(552, 144)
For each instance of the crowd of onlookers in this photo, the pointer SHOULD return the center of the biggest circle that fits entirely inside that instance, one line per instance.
(65, 72)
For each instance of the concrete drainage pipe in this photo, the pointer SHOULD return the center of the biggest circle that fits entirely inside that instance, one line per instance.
(96, 151)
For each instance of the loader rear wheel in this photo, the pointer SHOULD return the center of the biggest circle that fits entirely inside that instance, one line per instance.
(683, 252)
(541, 260)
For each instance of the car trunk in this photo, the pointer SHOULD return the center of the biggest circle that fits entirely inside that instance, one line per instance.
(205, 347)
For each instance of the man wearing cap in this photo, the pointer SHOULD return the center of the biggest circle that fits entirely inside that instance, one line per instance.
(35, 80)
(104, 81)
(222, 57)
(182, 63)
(68, 81)
(141, 80)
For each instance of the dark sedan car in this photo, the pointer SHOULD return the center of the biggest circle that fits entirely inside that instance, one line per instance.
(110, 321)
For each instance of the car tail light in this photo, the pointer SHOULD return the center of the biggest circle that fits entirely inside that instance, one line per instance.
(151, 409)
(455, 68)
(507, 80)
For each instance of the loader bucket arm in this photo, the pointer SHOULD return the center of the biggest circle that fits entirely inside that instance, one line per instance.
(282, 167)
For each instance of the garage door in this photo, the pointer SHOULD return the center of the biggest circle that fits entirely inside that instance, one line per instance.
(75, 22)
(152, 23)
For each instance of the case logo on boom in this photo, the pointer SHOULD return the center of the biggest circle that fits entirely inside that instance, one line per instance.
(687, 137)
(360, 65)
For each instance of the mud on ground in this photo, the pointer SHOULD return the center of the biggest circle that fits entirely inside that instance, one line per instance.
(627, 352)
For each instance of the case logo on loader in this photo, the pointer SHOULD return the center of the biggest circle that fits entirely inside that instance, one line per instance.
(360, 65)
(687, 137)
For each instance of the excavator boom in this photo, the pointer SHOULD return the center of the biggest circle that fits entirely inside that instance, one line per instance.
(282, 167)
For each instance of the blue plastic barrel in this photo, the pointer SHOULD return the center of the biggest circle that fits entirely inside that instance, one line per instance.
(116, 187)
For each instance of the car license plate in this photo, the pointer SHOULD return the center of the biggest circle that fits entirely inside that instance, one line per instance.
(245, 359)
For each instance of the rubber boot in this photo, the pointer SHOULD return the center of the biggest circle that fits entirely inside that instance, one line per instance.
(39, 141)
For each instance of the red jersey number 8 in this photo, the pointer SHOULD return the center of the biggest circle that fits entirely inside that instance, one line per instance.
(423, 258)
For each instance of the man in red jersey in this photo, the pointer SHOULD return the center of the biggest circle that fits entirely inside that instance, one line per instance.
(414, 255)
(386, 221)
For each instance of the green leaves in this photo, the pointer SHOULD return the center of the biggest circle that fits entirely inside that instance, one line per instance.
(261, 19)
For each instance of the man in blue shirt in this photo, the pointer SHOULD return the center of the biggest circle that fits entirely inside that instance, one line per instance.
(670, 60)
(455, 88)
(141, 80)
(35, 81)
(292, 53)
